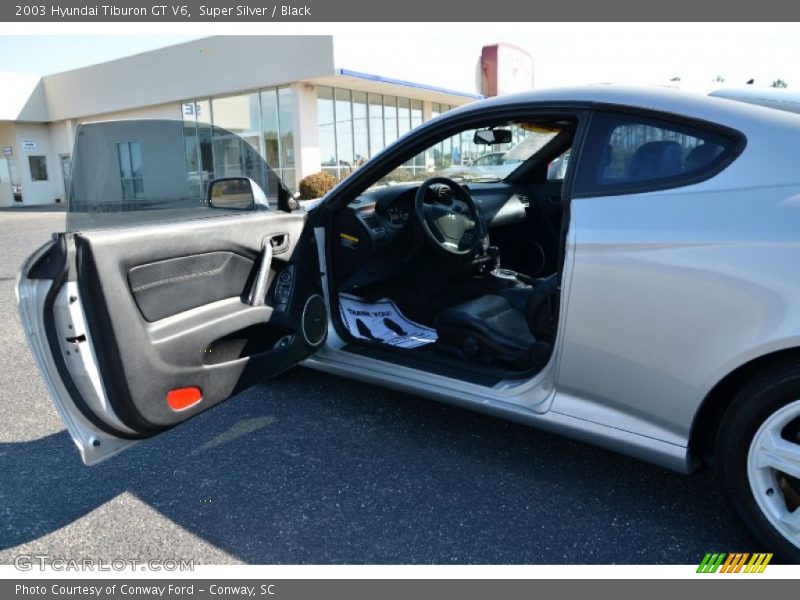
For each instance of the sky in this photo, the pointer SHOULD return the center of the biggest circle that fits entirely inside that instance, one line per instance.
(563, 53)
(632, 53)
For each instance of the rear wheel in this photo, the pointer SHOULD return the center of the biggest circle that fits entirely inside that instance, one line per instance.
(758, 457)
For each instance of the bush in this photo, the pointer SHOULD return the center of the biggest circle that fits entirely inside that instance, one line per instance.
(316, 185)
(401, 176)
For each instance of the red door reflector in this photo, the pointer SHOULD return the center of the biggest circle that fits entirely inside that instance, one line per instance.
(183, 398)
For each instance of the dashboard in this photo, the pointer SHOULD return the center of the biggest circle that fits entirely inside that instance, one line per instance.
(393, 206)
(375, 233)
(398, 214)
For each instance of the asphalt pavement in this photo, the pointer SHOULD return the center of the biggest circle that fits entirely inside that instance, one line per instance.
(311, 468)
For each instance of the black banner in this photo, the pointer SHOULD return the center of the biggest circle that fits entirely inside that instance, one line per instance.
(437, 589)
(328, 11)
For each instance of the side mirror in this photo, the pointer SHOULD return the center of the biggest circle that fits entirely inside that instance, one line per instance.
(490, 137)
(232, 193)
(286, 200)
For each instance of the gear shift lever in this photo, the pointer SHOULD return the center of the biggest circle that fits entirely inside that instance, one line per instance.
(494, 254)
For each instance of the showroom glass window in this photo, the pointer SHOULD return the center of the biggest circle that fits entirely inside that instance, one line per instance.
(277, 124)
(376, 139)
(441, 156)
(129, 155)
(286, 166)
(416, 119)
(38, 166)
(344, 131)
(263, 119)
(240, 119)
(633, 154)
(269, 127)
(360, 129)
(198, 145)
(389, 119)
(326, 120)
(354, 126)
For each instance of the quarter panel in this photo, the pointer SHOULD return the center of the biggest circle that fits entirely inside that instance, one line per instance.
(673, 290)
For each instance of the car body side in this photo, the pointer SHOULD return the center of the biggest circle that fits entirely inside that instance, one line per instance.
(665, 294)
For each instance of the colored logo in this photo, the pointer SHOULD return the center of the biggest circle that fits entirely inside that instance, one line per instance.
(737, 562)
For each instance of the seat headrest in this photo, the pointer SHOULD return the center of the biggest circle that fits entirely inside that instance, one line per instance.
(701, 155)
(654, 160)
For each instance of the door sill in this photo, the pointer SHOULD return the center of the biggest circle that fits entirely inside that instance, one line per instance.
(423, 359)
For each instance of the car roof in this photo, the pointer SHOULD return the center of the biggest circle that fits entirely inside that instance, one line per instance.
(724, 111)
(768, 133)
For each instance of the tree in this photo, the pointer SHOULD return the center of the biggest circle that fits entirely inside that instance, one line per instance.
(779, 83)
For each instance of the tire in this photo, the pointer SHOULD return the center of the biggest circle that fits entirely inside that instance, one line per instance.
(764, 414)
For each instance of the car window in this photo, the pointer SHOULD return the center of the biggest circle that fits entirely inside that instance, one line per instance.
(557, 169)
(142, 171)
(460, 158)
(627, 154)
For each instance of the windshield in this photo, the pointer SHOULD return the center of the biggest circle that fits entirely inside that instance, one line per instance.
(460, 158)
(137, 171)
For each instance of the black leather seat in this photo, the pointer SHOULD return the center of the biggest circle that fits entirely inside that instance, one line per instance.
(516, 325)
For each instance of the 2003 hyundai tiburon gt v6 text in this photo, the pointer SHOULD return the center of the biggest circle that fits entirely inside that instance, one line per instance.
(634, 282)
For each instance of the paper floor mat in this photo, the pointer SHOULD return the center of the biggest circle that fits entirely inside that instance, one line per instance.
(382, 321)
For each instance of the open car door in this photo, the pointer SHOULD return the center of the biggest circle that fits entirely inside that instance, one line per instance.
(178, 282)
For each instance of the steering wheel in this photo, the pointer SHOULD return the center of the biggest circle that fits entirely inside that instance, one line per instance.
(451, 222)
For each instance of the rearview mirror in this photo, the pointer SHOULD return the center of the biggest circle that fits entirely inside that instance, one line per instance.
(490, 137)
(233, 193)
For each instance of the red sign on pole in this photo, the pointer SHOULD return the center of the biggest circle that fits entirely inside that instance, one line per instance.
(506, 69)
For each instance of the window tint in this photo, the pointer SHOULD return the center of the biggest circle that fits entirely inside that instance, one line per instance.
(142, 171)
(130, 170)
(627, 154)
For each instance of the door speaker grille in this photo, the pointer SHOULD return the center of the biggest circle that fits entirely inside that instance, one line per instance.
(315, 320)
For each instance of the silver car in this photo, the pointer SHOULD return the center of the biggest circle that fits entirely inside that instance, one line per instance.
(489, 165)
(647, 301)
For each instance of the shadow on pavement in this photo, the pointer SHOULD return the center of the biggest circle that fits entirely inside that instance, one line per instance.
(310, 468)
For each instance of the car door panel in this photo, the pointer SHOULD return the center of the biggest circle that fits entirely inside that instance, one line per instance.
(168, 287)
(167, 308)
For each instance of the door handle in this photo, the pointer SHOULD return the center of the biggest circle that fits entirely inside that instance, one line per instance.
(259, 289)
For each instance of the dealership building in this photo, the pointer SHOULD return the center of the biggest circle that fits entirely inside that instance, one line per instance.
(306, 103)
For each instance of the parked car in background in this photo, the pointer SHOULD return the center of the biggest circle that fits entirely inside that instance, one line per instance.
(779, 98)
(648, 301)
(490, 165)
